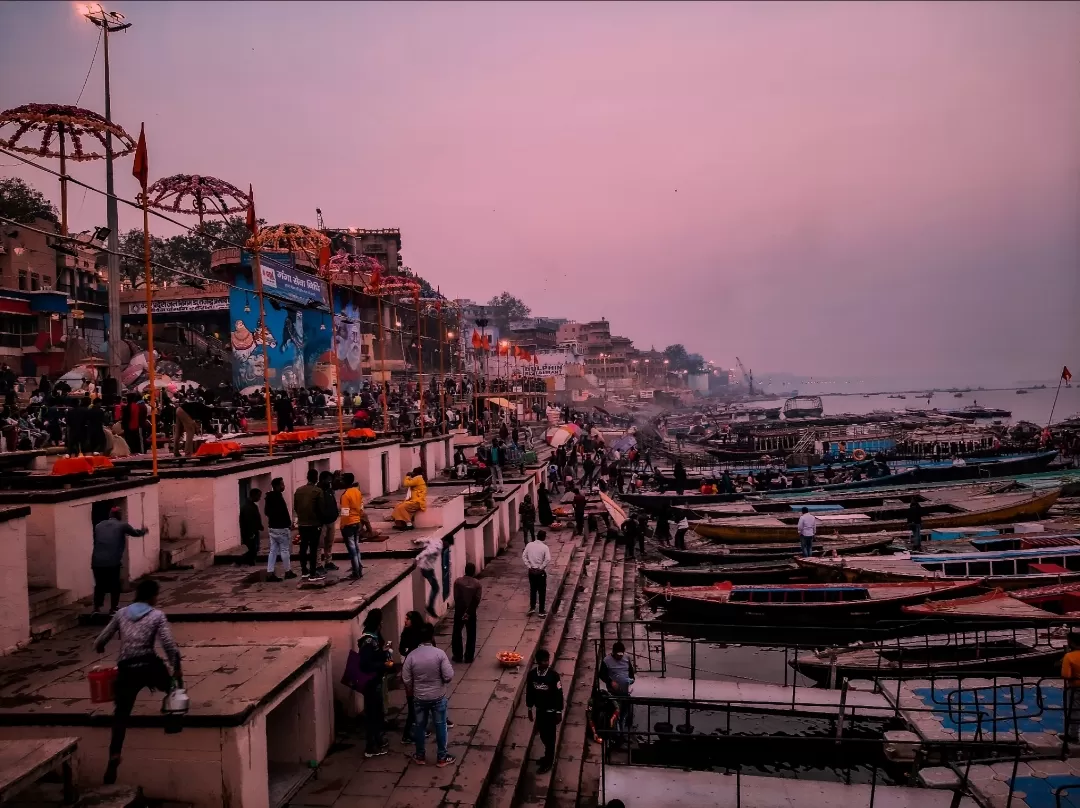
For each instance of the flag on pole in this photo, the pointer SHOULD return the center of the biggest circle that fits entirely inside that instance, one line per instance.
(324, 256)
(1065, 375)
(252, 222)
(476, 343)
(141, 168)
(485, 344)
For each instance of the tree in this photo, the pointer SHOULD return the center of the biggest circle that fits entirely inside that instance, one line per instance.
(24, 203)
(676, 356)
(695, 363)
(506, 309)
(189, 253)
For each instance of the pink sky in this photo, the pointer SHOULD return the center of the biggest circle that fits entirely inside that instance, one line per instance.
(836, 189)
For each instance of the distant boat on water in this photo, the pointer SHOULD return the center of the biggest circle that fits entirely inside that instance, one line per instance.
(1021, 392)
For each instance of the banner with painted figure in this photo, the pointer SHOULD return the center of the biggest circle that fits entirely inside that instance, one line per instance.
(348, 341)
(317, 359)
(283, 338)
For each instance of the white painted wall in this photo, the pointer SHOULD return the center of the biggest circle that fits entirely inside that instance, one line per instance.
(60, 539)
(14, 603)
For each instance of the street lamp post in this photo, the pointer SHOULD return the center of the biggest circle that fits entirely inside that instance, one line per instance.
(110, 22)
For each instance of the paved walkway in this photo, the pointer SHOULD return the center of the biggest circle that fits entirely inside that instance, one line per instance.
(482, 701)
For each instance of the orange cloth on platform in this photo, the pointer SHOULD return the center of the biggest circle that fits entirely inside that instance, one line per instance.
(72, 465)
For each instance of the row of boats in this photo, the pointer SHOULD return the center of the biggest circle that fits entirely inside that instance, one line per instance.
(987, 557)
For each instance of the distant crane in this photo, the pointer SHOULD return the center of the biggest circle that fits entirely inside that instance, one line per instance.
(747, 374)
(319, 223)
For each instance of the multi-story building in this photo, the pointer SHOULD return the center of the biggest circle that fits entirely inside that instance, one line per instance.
(534, 334)
(48, 293)
(383, 244)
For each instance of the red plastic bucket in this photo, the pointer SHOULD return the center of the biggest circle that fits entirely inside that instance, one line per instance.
(102, 681)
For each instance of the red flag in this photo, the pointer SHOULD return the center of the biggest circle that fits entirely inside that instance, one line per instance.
(324, 256)
(141, 168)
(376, 277)
(1065, 375)
(476, 343)
(485, 344)
(252, 223)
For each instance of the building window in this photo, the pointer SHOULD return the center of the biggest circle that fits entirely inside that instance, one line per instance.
(35, 282)
(22, 280)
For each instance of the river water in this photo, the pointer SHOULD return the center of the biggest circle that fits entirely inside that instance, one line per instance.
(1033, 406)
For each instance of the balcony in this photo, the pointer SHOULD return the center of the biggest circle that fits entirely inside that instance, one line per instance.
(84, 294)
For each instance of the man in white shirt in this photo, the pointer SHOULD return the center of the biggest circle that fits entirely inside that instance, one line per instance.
(807, 529)
(537, 556)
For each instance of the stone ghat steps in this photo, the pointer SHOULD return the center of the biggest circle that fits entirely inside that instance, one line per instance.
(521, 746)
(51, 795)
(576, 666)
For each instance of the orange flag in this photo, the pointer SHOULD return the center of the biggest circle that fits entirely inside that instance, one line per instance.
(252, 222)
(485, 344)
(141, 168)
(476, 343)
(1066, 375)
(324, 256)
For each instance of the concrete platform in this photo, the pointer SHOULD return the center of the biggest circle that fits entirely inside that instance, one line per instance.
(256, 707)
(759, 697)
(1009, 710)
(657, 787)
(482, 702)
(1034, 784)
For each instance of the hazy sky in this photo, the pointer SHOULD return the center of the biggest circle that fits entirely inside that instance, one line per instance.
(833, 189)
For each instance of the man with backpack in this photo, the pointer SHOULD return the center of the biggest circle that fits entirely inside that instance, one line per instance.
(328, 508)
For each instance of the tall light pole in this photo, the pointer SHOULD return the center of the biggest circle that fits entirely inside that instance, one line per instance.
(110, 22)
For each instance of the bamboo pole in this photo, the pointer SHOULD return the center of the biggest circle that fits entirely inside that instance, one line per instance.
(442, 370)
(382, 363)
(337, 368)
(420, 363)
(256, 271)
(150, 363)
(64, 194)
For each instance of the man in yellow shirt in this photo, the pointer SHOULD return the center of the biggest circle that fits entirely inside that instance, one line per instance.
(1070, 672)
(352, 516)
(405, 511)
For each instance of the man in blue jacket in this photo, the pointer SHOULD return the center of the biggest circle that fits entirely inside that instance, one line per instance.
(110, 541)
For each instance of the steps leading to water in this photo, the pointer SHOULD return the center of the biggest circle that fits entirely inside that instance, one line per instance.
(520, 747)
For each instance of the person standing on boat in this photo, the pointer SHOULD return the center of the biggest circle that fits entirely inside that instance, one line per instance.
(679, 473)
(914, 518)
(680, 533)
(1070, 672)
(807, 528)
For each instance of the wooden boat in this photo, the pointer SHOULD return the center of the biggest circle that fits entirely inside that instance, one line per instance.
(771, 571)
(939, 512)
(719, 554)
(803, 407)
(812, 604)
(997, 606)
(1008, 569)
(1016, 651)
(654, 501)
(1063, 599)
(946, 471)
